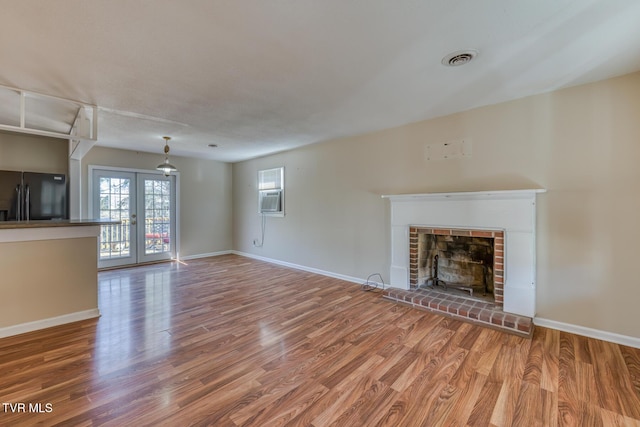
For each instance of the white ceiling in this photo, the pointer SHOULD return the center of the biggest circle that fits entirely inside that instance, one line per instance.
(257, 77)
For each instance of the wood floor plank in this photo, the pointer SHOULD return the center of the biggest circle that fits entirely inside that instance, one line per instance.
(372, 411)
(456, 402)
(550, 361)
(611, 419)
(550, 415)
(231, 341)
(586, 383)
(504, 409)
(438, 338)
(533, 368)
(488, 345)
(607, 369)
(484, 407)
(436, 378)
(288, 407)
(632, 360)
(528, 410)
(341, 395)
(350, 397)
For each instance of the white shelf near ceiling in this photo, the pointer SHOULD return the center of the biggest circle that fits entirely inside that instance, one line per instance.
(32, 113)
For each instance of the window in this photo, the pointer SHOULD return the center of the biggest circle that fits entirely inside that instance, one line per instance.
(271, 191)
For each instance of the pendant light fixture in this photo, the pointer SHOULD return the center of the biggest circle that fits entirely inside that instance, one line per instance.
(166, 167)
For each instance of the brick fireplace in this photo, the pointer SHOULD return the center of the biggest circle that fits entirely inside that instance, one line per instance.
(507, 218)
(469, 259)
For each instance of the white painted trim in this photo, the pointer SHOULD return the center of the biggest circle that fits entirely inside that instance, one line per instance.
(176, 212)
(301, 267)
(48, 233)
(588, 332)
(24, 128)
(48, 323)
(207, 255)
(75, 187)
(464, 195)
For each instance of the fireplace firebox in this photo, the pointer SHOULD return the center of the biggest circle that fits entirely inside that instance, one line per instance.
(462, 259)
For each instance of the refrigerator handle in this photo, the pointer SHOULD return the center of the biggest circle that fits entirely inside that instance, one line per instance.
(27, 200)
(19, 203)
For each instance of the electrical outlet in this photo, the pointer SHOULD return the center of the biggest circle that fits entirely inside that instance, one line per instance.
(255, 242)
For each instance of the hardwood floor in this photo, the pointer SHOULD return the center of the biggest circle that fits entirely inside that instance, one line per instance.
(231, 341)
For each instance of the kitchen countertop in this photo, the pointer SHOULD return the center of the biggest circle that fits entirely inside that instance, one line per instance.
(10, 225)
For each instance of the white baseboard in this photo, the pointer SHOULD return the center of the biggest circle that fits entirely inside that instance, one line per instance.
(588, 332)
(48, 323)
(302, 267)
(207, 255)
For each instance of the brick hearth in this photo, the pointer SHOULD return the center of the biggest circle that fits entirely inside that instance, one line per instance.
(465, 308)
(456, 304)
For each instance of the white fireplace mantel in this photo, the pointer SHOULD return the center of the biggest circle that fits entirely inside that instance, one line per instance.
(465, 195)
(513, 211)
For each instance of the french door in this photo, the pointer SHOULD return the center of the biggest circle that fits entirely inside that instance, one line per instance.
(144, 203)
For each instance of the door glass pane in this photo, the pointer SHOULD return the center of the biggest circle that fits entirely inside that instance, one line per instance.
(115, 205)
(157, 216)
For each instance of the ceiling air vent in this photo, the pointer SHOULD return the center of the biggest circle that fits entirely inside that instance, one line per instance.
(460, 57)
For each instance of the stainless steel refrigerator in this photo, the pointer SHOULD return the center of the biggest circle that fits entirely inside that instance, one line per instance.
(29, 196)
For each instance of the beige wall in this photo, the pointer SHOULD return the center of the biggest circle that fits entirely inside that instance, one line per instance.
(33, 153)
(205, 195)
(43, 279)
(582, 144)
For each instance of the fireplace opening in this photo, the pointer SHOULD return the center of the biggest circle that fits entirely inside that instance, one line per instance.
(456, 262)
(462, 262)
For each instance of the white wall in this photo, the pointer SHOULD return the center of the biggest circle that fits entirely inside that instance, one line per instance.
(582, 144)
